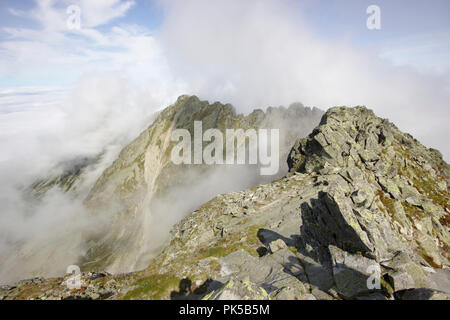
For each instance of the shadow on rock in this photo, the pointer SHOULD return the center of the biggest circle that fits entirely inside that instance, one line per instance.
(185, 291)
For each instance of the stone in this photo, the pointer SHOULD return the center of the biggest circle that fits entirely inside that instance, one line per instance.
(277, 245)
(307, 296)
(403, 264)
(321, 295)
(401, 280)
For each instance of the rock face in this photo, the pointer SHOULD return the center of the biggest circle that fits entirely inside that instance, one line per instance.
(362, 214)
(144, 193)
(385, 191)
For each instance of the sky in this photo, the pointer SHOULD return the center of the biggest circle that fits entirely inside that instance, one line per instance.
(249, 53)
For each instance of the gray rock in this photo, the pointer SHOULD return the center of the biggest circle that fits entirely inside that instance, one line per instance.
(351, 272)
(405, 270)
(289, 293)
(401, 280)
(277, 245)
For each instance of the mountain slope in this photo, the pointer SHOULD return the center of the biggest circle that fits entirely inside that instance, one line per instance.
(366, 197)
(363, 214)
(144, 193)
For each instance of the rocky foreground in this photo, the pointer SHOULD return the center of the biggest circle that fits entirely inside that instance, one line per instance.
(362, 214)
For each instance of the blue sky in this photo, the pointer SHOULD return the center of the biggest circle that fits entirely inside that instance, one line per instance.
(40, 26)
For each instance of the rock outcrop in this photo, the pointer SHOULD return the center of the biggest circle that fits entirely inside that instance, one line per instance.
(362, 214)
(386, 192)
(67, 178)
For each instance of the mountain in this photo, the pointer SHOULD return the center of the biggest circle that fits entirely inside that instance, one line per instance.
(143, 193)
(68, 177)
(363, 213)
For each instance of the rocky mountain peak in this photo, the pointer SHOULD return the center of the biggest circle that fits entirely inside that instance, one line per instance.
(362, 201)
(349, 137)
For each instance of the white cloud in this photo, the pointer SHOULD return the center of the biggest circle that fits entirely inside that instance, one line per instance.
(99, 12)
(52, 14)
(252, 53)
(54, 46)
(260, 53)
(102, 114)
(249, 53)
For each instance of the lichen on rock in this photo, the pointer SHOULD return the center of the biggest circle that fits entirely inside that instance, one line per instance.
(360, 196)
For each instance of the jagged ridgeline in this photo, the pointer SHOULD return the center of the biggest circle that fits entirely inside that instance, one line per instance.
(362, 214)
(362, 199)
(145, 193)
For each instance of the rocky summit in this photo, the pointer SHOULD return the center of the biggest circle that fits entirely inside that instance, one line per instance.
(362, 213)
(143, 193)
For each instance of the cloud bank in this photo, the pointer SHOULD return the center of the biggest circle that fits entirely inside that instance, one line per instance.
(95, 119)
(260, 53)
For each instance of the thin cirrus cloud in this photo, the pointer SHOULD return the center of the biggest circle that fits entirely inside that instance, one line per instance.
(426, 52)
(96, 13)
(52, 14)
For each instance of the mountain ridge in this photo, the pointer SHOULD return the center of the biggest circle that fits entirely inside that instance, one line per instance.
(360, 196)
